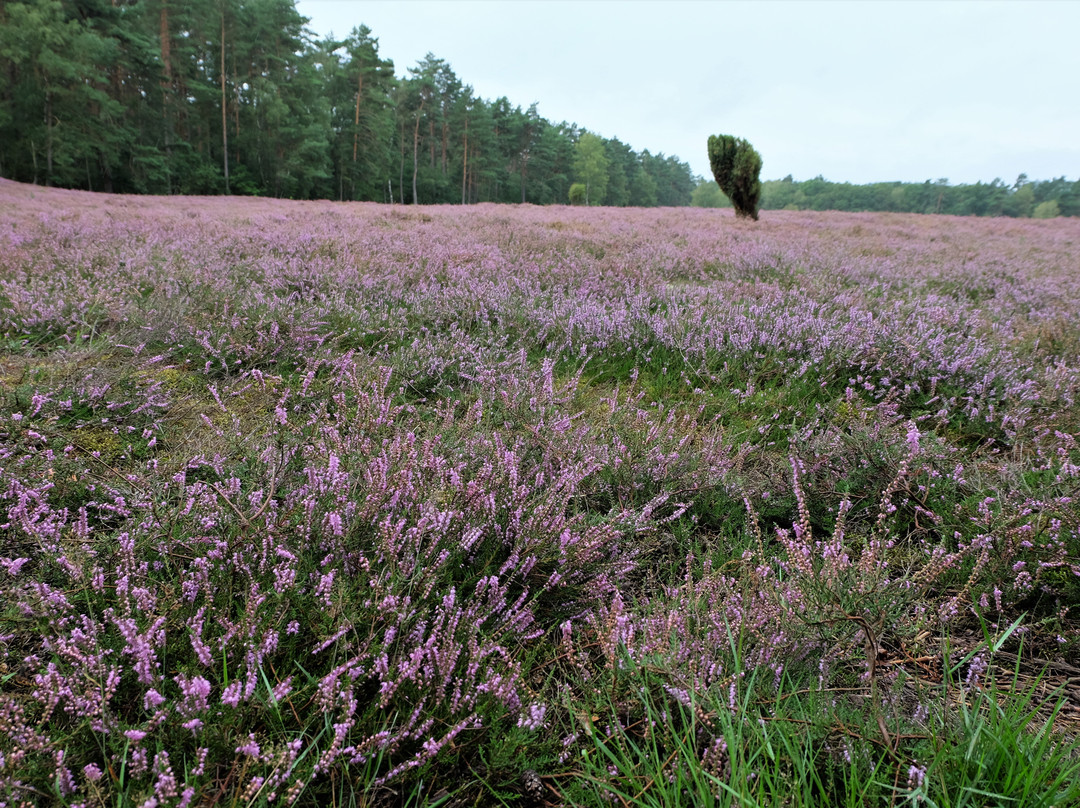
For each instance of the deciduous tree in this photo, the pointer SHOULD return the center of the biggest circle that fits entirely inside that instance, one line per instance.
(591, 166)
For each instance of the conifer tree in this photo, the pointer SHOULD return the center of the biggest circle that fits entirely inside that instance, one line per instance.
(737, 168)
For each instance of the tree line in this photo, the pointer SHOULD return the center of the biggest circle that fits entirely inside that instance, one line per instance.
(236, 96)
(1041, 199)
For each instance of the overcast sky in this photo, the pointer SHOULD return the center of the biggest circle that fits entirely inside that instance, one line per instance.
(854, 91)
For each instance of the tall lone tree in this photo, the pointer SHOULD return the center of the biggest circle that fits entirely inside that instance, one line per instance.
(737, 168)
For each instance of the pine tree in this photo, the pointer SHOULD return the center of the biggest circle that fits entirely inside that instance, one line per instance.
(737, 168)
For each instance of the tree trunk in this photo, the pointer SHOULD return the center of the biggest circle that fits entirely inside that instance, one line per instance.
(106, 173)
(415, 157)
(166, 85)
(224, 113)
(236, 108)
(48, 138)
(356, 118)
(445, 138)
(465, 162)
(166, 42)
(416, 150)
(474, 194)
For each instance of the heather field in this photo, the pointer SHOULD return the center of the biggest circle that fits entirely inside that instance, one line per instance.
(356, 505)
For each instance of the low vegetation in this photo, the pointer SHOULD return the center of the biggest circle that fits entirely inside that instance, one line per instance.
(350, 504)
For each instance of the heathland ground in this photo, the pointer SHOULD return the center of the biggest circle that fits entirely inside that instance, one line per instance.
(353, 504)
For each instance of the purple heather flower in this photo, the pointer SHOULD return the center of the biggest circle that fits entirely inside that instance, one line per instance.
(533, 719)
(233, 694)
(13, 565)
(250, 748)
(916, 775)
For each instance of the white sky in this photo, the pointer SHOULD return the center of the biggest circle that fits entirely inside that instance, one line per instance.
(858, 91)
